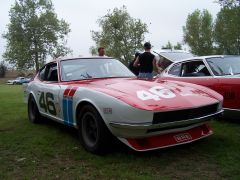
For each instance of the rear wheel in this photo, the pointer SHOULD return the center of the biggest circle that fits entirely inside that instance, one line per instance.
(33, 113)
(94, 135)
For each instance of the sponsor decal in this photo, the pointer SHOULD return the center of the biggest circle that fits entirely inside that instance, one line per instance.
(182, 137)
(107, 110)
(68, 105)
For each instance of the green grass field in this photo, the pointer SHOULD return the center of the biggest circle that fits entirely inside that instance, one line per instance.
(52, 151)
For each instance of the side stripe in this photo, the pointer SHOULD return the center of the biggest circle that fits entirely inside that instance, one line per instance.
(68, 105)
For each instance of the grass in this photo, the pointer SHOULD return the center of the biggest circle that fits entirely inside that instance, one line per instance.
(52, 151)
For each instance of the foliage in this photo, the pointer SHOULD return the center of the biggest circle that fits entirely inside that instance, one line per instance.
(198, 32)
(93, 51)
(227, 30)
(34, 32)
(178, 46)
(229, 3)
(168, 46)
(3, 69)
(121, 35)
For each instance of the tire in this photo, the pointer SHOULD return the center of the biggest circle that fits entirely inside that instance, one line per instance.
(93, 133)
(33, 113)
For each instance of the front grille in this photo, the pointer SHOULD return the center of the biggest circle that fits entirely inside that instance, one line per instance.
(179, 115)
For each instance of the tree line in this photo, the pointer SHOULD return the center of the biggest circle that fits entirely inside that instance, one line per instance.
(222, 36)
(35, 32)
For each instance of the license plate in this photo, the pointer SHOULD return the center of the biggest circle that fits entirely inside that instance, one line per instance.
(183, 137)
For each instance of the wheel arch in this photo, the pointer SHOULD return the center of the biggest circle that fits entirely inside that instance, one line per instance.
(80, 106)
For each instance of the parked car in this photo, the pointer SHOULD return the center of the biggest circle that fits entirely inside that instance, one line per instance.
(220, 73)
(103, 99)
(19, 80)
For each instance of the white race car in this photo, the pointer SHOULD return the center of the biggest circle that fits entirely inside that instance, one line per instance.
(102, 99)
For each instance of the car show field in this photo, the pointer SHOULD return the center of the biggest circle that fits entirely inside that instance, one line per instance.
(50, 150)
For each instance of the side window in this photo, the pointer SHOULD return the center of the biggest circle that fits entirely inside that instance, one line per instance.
(194, 69)
(175, 70)
(52, 74)
(49, 73)
(42, 74)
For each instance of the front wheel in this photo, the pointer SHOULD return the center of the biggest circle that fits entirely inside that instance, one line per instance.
(94, 135)
(33, 113)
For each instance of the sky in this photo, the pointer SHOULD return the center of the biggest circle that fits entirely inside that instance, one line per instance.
(164, 18)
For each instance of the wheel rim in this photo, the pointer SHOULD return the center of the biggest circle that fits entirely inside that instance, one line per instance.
(89, 129)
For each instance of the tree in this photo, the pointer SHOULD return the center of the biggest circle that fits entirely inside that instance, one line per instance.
(34, 32)
(227, 30)
(121, 35)
(229, 3)
(198, 32)
(168, 46)
(178, 46)
(3, 69)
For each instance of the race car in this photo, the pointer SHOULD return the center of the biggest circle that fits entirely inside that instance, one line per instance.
(103, 99)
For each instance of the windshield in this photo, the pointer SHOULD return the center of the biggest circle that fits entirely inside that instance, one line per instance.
(77, 69)
(222, 66)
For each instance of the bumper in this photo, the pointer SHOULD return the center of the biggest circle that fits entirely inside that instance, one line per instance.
(168, 140)
(126, 130)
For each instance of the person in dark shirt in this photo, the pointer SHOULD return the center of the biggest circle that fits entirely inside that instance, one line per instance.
(135, 70)
(146, 63)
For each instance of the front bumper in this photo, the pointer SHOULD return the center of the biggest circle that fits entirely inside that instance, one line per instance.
(168, 140)
(128, 130)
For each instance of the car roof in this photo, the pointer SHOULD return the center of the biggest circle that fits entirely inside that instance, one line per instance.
(202, 57)
(82, 57)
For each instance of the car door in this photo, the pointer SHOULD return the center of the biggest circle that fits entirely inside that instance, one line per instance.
(194, 71)
(47, 91)
(229, 87)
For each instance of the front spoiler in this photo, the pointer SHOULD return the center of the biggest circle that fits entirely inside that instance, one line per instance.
(168, 140)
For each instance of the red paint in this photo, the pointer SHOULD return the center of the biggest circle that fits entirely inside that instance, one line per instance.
(72, 92)
(228, 87)
(165, 140)
(67, 90)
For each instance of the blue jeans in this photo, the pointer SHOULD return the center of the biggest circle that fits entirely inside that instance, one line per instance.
(145, 75)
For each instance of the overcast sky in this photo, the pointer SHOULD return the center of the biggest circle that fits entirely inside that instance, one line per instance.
(164, 18)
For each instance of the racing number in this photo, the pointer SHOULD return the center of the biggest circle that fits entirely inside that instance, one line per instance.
(155, 93)
(47, 103)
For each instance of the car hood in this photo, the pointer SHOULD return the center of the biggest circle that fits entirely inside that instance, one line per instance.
(156, 95)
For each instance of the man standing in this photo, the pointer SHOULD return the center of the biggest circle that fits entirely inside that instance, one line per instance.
(101, 51)
(146, 63)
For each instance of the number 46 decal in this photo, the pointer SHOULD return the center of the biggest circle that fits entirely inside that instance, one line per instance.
(155, 93)
(47, 103)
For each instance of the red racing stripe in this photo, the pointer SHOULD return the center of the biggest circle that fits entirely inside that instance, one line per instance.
(67, 90)
(72, 92)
